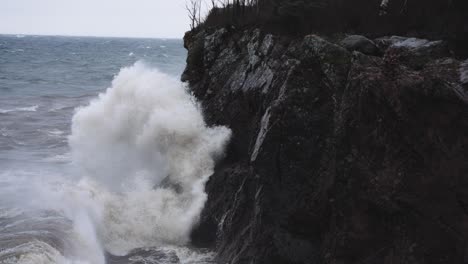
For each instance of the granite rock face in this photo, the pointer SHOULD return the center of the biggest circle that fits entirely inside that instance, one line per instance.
(336, 156)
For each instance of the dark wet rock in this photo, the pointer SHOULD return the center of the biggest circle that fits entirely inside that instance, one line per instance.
(415, 52)
(361, 44)
(464, 73)
(336, 156)
(385, 42)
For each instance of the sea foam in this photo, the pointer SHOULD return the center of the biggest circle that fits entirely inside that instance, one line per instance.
(140, 154)
(145, 153)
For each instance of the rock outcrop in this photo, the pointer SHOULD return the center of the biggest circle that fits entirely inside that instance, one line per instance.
(337, 156)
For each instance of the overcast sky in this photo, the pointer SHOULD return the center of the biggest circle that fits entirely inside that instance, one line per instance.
(125, 18)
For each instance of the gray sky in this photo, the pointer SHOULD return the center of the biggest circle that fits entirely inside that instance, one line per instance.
(126, 18)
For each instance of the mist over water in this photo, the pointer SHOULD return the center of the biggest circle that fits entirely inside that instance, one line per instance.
(87, 176)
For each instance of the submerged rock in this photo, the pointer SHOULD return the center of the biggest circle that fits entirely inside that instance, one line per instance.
(336, 156)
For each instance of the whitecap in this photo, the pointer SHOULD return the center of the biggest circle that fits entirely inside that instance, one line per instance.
(20, 109)
(59, 158)
(55, 132)
(4, 132)
(28, 109)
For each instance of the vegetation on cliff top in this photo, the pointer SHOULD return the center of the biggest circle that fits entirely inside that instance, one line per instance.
(445, 19)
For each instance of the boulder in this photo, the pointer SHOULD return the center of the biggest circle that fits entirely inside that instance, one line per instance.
(415, 52)
(361, 44)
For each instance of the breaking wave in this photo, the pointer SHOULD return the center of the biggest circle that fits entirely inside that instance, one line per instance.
(145, 153)
(141, 155)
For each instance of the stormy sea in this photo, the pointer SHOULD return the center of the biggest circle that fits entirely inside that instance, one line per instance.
(104, 153)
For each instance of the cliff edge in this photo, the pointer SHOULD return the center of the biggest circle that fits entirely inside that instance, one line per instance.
(344, 150)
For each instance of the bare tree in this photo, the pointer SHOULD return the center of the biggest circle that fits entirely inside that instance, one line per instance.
(193, 8)
(222, 3)
(213, 4)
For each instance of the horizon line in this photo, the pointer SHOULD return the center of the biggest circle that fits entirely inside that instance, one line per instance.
(86, 36)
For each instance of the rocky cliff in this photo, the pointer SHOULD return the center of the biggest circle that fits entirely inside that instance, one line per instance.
(344, 150)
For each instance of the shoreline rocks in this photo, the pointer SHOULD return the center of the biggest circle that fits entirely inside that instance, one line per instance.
(338, 155)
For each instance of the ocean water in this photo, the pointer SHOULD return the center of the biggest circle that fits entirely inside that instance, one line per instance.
(103, 152)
